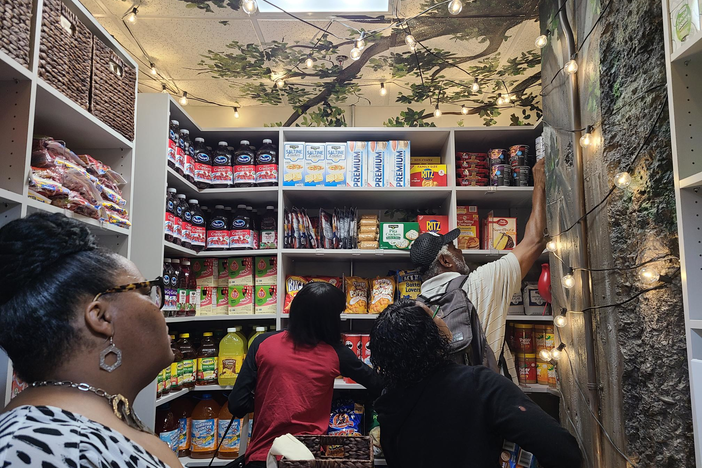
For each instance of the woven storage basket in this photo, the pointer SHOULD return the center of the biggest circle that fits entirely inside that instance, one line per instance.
(354, 452)
(113, 90)
(64, 52)
(15, 29)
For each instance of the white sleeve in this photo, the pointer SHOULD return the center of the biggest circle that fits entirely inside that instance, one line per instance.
(490, 288)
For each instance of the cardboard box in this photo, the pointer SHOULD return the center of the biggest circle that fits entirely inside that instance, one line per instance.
(399, 236)
(377, 157)
(500, 233)
(684, 21)
(240, 271)
(429, 160)
(222, 272)
(266, 301)
(293, 163)
(221, 305)
(205, 272)
(206, 305)
(356, 163)
(424, 175)
(335, 175)
(315, 164)
(468, 222)
(266, 271)
(397, 166)
(240, 300)
(433, 223)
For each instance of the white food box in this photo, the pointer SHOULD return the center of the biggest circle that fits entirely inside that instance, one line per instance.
(377, 157)
(293, 163)
(336, 165)
(397, 166)
(356, 163)
(315, 164)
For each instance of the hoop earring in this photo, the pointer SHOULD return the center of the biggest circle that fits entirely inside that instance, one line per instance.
(110, 349)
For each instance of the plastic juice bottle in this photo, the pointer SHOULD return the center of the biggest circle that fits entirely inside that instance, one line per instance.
(175, 279)
(269, 229)
(240, 237)
(207, 361)
(177, 220)
(193, 296)
(184, 284)
(182, 410)
(204, 428)
(229, 449)
(232, 350)
(255, 228)
(180, 152)
(198, 229)
(222, 167)
(167, 272)
(267, 165)
(258, 331)
(173, 132)
(169, 224)
(203, 165)
(240, 331)
(176, 366)
(189, 361)
(167, 384)
(244, 166)
(189, 167)
(167, 426)
(186, 225)
(218, 232)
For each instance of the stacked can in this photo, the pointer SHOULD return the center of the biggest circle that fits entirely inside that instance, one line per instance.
(519, 162)
(540, 148)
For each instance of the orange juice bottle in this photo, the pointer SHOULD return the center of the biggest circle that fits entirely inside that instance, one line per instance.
(204, 438)
(230, 447)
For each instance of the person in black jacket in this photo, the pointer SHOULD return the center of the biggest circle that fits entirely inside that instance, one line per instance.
(435, 413)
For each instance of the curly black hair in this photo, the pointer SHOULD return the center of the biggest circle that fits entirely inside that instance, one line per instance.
(406, 345)
(48, 264)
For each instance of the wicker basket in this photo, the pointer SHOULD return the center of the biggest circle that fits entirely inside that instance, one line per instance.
(349, 452)
(64, 52)
(113, 90)
(15, 29)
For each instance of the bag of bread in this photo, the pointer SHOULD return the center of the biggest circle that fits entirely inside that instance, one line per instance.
(382, 294)
(356, 295)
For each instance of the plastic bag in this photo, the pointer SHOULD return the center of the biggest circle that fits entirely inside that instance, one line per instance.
(76, 203)
(47, 187)
(112, 196)
(345, 419)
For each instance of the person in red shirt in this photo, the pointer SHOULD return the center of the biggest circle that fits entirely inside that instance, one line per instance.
(287, 378)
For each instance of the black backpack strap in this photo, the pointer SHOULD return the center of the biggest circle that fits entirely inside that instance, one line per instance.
(502, 362)
(456, 283)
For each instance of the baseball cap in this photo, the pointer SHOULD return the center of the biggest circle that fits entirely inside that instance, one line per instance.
(427, 247)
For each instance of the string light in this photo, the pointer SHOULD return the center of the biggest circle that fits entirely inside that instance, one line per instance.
(455, 7)
(164, 90)
(132, 17)
(411, 42)
(464, 110)
(184, 99)
(586, 139)
(649, 275)
(153, 69)
(249, 6)
(541, 41)
(383, 91)
(476, 86)
(568, 280)
(236, 112)
(355, 53)
(280, 83)
(551, 245)
(360, 44)
(309, 63)
(556, 353)
(500, 101)
(545, 354)
(622, 180)
(437, 111)
(571, 67)
(561, 320)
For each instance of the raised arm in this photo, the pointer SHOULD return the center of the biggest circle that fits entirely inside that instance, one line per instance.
(534, 242)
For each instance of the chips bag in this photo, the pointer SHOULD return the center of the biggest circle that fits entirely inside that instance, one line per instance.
(356, 295)
(409, 284)
(382, 294)
(293, 284)
(345, 419)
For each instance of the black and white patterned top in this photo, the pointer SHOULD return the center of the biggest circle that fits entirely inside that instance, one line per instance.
(47, 437)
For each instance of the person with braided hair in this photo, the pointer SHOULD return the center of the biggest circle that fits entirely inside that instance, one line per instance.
(85, 330)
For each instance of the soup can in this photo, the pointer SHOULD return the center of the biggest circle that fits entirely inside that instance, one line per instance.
(501, 175)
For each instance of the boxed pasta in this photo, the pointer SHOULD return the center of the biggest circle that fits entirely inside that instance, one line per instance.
(469, 224)
(315, 164)
(428, 175)
(397, 164)
(240, 271)
(398, 235)
(377, 155)
(356, 163)
(335, 175)
(240, 300)
(293, 163)
(356, 295)
(266, 301)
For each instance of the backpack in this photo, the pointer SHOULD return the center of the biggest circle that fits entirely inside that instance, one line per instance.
(469, 345)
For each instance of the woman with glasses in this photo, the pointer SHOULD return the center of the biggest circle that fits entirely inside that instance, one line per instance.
(85, 330)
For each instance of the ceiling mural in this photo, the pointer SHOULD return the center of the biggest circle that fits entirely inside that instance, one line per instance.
(220, 55)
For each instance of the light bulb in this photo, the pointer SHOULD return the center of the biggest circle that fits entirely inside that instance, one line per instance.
(411, 43)
(500, 101)
(545, 354)
(551, 246)
(309, 63)
(360, 44)
(184, 99)
(556, 353)
(585, 140)
(280, 83)
(464, 110)
(437, 111)
(249, 6)
(132, 16)
(560, 321)
(512, 97)
(355, 53)
(649, 275)
(383, 91)
(164, 90)
(568, 281)
(153, 69)
(455, 7)
(476, 87)
(413, 48)
(622, 180)
(236, 112)
(571, 67)
(541, 41)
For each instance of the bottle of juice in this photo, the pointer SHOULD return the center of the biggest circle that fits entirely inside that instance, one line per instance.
(207, 361)
(269, 229)
(189, 167)
(257, 331)
(177, 220)
(169, 225)
(160, 383)
(167, 384)
(182, 291)
(232, 350)
(167, 272)
(181, 149)
(175, 278)
(182, 410)
(204, 428)
(267, 165)
(198, 230)
(193, 296)
(176, 366)
(218, 230)
(222, 167)
(173, 132)
(239, 330)
(256, 228)
(229, 449)
(186, 224)
(167, 426)
(240, 237)
(189, 361)
(244, 166)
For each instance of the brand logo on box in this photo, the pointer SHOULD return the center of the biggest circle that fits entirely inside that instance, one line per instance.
(427, 174)
(357, 176)
(217, 224)
(434, 225)
(220, 160)
(502, 222)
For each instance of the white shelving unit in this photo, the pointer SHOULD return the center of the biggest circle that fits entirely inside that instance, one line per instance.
(33, 107)
(684, 73)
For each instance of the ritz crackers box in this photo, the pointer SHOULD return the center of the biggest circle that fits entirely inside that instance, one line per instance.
(428, 175)
(433, 223)
(356, 163)
(397, 164)
(293, 163)
(315, 164)
(336, 165)
(377, 156)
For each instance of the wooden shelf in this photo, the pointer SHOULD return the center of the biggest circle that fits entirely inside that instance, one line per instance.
(6, 196)
(215, 318)
(95, 225)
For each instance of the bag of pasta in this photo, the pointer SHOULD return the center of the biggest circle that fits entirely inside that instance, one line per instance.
(382, 294)
(356, 295)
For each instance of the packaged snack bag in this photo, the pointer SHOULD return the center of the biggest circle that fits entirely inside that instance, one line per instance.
(356, 295)
(382, 294)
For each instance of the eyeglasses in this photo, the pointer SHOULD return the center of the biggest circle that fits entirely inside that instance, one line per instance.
(155, 288)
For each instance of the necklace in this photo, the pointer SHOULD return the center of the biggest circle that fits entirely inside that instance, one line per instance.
(120, 405)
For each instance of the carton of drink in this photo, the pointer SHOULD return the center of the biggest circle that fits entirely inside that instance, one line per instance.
(222, 272)
(336, 165)
(222, 301)
(293, 163)
(397, 166)
(266, 301)
(240, 271)
(315, 164)
(241, 300)
(356, 163)
(266, 271)
(377, 157)
(207, 300)
(205, 272)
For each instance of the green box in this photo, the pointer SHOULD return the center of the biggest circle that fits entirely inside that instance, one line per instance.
(222, 272)
(241, 300)
(266, 299)
(240, 271)
(266, 271)
(398, 236)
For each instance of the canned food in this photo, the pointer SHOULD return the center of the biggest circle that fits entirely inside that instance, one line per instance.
(501, 175)
(519, 150)
(542, 372)
(524, 337)
(498, 156)
(521, 175)
(526, 364)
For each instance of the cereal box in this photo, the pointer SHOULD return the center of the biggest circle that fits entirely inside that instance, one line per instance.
(315, 164)
(205, 271)
(469, 224)
(500, 233)
(293, 163)
(335, 175)
(240, 271)
(266, 271)
(266, 299)
(241, 300)
(433, 223)
(428, 175)
(356, 163)
(377, 155)
(222, 272)
(398, 235)
(207, 300)
(397, 166)
(221, 305)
